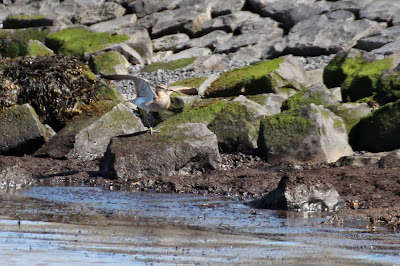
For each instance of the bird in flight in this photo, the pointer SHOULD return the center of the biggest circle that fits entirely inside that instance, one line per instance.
(149, 98)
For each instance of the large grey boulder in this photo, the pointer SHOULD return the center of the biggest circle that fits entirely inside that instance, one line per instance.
(388, 49)
(228, 23)
(382, 10)
(301, 194)
(140, 41)
(186, 20)
(379, 39)
(211, 40)
(21, 132)
(325, 34)
(190, 147)
(255, 31)
(87, 137)
(114, 24)
(145, 7)
(169, 42)
(236, 127)
(221, 8)
(106, 11)
(310, 134)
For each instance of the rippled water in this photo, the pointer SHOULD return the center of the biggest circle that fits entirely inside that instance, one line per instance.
(64, 225)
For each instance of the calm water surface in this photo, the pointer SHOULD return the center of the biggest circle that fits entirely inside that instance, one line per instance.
(71, 225)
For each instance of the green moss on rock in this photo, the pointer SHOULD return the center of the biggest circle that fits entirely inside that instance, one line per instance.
(298, 100)
(249, 80)
(38, 49)
(280, 130)
(236, 128)
(388, 88)
(356, 76)
(380, 130)
(106, 63)
(190, 82)
(14, 48)
(77, 41)
(202, 113)
(180, 63)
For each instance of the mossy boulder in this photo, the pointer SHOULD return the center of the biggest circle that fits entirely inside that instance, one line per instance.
(110, 63)
(357, 74)
(351, 113)
(190, 82)
(77, 41)
(311, 134)
(21, 132)
(189, 148)
(203, 111)
(57, 87)
(37, 48)
(25, 21)
(317, 94)
(388, 87)
(39, 34)
(380, 130)
(13, 48)
(236, 127)
(262, 77)
(87, 136)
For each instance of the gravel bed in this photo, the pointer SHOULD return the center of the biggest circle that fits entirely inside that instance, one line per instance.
(170, 76)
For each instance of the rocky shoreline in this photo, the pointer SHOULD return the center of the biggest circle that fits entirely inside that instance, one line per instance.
(291, 97)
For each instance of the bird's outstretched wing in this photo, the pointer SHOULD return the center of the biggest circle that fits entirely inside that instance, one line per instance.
(142, 86)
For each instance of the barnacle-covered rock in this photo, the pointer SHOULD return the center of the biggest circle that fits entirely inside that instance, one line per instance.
(56, 86)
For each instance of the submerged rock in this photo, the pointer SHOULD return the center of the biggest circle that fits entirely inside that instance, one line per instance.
(301, 194)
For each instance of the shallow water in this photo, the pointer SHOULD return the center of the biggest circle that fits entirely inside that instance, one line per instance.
(64, 225)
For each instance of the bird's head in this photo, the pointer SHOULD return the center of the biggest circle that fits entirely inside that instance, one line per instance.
(164, 88)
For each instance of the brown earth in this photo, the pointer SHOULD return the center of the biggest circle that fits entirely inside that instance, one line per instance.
(370, 192)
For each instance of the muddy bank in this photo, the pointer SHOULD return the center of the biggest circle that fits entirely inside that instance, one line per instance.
(369, 192)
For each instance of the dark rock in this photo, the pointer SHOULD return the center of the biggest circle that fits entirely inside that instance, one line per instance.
(391, 160)
(301, 194)
(88, 135)
(189, 148)
(380, 130)
(379, 39)
(20, 131)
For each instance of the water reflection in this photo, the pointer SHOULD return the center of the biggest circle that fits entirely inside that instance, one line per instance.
(150, 227)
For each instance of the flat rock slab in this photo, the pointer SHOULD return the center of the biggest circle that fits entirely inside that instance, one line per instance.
(185, 150)
(325, 34)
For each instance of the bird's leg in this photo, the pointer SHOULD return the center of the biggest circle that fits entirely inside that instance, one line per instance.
(152, 122)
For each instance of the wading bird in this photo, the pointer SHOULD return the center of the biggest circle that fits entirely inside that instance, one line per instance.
(148, 98)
